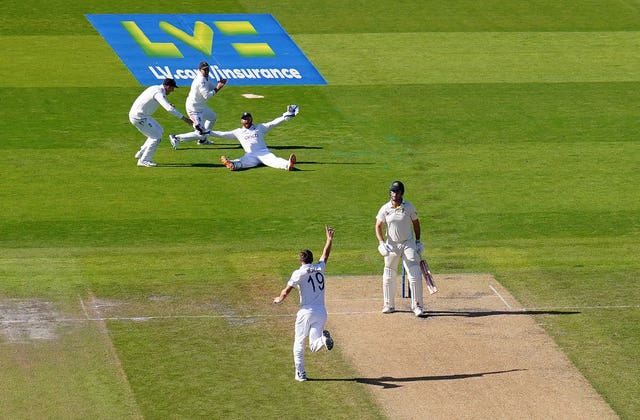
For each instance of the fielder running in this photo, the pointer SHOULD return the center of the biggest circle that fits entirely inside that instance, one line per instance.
(251, 138)
(140, 116)
(203, 117)
(401, 220)
(310, 281)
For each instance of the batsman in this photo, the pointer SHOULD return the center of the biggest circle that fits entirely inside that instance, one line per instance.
(401, 245)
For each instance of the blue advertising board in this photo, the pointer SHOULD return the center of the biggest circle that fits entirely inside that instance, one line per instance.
(246, 49)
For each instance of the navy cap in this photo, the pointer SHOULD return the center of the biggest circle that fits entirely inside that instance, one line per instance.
(169, 82)
(397, 186)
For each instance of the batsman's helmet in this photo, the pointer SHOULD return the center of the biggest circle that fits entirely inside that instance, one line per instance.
(397, 186)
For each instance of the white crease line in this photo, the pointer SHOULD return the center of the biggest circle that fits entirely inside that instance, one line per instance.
(84, 308)
(145, 318)
(289, 315)
(500, 296)
(352, 299)
(354, 313)
(153, 317)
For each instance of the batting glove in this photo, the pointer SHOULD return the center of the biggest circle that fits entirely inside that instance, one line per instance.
(383, 249)
(292, 111)
(419, 247)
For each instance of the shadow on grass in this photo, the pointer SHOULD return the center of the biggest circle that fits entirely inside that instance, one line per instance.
(228, 146)
(476, 314)
(191, 165)
(388, 382)
(236, 146)
(295, 147)
(212, 148)
(219, 165)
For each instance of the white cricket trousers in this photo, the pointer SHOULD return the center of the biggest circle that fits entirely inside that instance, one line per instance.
(265, 157)
(153, 130)
(205, 117)
(310, 322)
(405, 252)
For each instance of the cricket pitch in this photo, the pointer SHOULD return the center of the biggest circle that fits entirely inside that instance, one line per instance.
(476, 355)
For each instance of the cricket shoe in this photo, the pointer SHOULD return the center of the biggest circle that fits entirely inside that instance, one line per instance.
(146, 163)
(386, 309)
(292, 161)
(326, 338)
(226, 162)
(205, 142)
(301, 376)
(418, 311)
(174, 141)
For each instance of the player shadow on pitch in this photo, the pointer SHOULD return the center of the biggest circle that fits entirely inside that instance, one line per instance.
(388, 382)
(477, 314)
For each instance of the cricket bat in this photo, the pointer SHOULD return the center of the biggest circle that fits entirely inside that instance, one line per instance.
(428, 278)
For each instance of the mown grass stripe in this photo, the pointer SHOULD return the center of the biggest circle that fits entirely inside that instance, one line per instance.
(474, 57)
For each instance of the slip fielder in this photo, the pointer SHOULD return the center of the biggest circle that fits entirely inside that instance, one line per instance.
(202, 89)
(140, 116)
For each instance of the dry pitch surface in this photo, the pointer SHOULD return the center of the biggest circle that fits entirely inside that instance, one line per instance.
(477, 355)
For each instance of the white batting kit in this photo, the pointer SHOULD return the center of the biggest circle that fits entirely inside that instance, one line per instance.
(202, 88)
(252, 141)
(140, 116)
(310, 281)
(400, 238)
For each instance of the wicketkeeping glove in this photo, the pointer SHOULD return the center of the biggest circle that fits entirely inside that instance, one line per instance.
(292, 111)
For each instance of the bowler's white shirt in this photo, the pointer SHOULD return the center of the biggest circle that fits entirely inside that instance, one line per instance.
(310, 281)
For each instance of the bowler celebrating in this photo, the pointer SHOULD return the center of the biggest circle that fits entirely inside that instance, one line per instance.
(312, 315)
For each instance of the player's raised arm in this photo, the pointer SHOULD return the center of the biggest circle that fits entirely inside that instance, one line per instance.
(327, 246)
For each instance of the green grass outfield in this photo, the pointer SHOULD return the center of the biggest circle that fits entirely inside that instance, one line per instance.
(514, 125)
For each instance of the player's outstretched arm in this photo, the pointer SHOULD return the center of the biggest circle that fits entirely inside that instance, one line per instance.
(283, 294)
(223, 134)
(327, 246)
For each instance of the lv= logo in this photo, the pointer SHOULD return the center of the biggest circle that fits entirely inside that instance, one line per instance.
(201, 39)
(248, 49)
